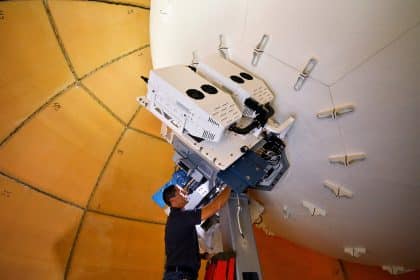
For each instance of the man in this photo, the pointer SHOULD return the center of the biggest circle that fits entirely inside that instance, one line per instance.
(181, 243)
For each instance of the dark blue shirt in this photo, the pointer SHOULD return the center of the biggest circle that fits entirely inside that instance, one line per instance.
(181, 243)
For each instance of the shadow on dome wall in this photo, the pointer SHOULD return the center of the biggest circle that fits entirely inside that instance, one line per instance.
(79, 160)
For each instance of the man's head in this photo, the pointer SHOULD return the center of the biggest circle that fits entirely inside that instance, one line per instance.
(175, 197)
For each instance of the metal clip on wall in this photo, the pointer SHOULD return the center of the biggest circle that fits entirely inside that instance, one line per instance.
(259, 50)
(335, 111)
(347, 159)
(396, 269)
(314, 210)
(305, 73)
(223, 48)
(337, 189)
(355, 251)
(195, 59)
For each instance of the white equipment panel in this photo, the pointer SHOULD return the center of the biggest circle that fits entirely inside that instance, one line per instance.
(239, 81)
(188, 103)
(222, 154)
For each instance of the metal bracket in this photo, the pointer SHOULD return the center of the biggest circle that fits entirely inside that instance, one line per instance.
(223, 49)
(238, 236)
(338, 190)
(280, 129)
(195, 59)
(167, 133)
(335, 111)
(305, 73)
(314, 210)
(259, 50)
(286, 212)
(396, 269)
(143, 101)
(355, 251)
(347, 159)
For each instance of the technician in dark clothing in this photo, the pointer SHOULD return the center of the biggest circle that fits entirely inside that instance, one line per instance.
(181, 242)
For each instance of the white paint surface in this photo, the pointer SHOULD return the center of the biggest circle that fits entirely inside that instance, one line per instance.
(369, 56)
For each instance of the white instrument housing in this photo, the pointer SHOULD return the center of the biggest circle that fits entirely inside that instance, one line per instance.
(240, 82)
(188, 103)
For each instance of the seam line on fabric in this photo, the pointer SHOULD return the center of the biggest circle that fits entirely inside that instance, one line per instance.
(375, 53)
(76, 238)
(41, 191)
(114, 60)
(57, 36)
(147, 134)
(52, 196)
(125, 217)
(121, 4)
(102, 104)
(32, 115)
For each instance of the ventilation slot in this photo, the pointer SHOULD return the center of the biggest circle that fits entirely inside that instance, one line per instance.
(213, 122)
(157, 109)
(208, 135)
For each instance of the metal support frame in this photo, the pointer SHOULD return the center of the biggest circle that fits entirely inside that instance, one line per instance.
(238, 236)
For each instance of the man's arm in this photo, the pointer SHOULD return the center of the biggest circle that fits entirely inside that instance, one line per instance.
(215, 205)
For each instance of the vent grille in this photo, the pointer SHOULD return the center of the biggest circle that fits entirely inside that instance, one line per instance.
(213, 122)
(208, 135)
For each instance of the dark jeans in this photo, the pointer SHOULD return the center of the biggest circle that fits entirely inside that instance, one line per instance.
(179, 275)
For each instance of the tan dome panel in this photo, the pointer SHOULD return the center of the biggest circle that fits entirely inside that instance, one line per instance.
(36, 232)
(70, 140)
(147, 122)
(30, 72)
(112, 248)
(94, 33)
(118, 84)
(139, 167)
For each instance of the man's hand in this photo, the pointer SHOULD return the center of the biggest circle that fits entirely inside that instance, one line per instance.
(206, 256)
(216, 204)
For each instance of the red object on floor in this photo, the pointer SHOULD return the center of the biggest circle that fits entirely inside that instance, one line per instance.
(220, 270)
(210, 268)
(231, 269)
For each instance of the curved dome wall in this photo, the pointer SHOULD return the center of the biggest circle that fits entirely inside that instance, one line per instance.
(367, 54)
(79, 159)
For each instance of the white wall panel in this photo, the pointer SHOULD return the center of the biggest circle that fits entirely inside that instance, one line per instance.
(368, 54)
(179, 27)
(386, 91)
(340, 34)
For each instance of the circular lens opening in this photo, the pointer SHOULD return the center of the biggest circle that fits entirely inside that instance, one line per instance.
(195, 94)
(246, 76)
(209, 89)
(237, 79)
